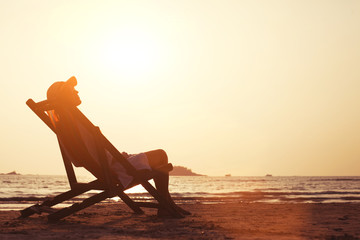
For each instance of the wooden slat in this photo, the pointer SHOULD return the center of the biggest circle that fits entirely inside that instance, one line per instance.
(148, 204)
(41, 114)
(128, 201)
(78, 206)
(80, 189)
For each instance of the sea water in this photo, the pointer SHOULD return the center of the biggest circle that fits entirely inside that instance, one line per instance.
(19, 190)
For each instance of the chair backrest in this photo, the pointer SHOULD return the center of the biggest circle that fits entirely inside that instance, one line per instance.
(81, 143)
(78, 143)
(73, 149)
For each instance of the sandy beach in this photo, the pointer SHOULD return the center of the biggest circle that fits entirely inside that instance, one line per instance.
(208, 221)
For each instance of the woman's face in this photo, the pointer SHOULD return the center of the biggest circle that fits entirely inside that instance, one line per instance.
(70, 96)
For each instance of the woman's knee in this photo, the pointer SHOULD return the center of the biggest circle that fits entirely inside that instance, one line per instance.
(162, 155)
(157, 157)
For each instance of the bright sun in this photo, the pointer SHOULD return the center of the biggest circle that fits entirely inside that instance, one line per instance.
(132, 52)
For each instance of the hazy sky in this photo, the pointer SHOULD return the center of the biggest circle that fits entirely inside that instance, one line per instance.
(241, 87)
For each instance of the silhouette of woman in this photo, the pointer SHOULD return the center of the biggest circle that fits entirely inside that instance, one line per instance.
(64, 94)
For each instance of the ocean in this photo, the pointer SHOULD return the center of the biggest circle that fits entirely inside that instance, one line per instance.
(20, 191)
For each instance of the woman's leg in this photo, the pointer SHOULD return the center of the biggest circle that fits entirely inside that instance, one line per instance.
(156, 159)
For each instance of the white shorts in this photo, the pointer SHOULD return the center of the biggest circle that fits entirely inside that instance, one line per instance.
(139, 161)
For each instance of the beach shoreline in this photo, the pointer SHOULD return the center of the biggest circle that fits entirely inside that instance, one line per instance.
(208, 221)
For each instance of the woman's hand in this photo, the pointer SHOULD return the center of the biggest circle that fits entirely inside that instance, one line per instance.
(125, 154)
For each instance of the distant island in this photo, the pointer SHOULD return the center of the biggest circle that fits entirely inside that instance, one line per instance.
(183, 171)
(10, 173)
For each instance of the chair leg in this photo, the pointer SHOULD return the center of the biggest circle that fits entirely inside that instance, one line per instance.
(162, 201)
(128, 201)
(51, 202)
(78, 206)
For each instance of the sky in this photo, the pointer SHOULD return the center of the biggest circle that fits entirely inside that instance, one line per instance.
(246, 88)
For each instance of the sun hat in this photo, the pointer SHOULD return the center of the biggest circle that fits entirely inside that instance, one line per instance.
(55, 90)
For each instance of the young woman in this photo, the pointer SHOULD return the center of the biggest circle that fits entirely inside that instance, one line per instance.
(64, 94)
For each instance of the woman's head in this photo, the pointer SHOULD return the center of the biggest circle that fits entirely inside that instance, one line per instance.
(64, 92)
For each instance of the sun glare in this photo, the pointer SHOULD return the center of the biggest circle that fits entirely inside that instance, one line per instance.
(132, 53)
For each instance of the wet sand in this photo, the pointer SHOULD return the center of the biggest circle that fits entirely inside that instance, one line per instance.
(208, 221)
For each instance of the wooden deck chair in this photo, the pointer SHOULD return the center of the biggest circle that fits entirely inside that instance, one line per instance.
(105, 178)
